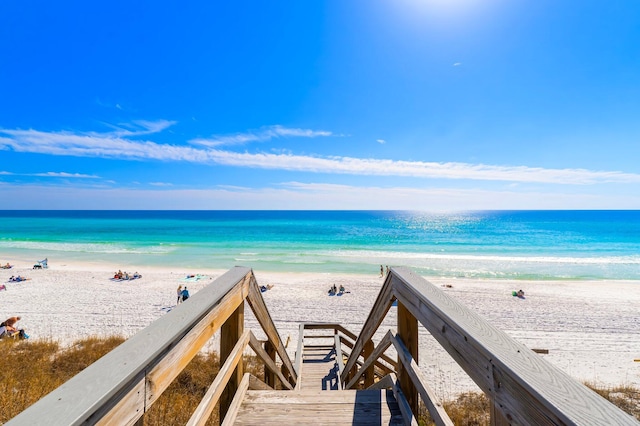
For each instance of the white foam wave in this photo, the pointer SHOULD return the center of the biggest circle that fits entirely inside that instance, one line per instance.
(604, 260)
(109, 248)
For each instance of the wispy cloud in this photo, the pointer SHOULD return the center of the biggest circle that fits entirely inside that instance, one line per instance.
(457, 64)
(381, 141)
(64, 175)
(261, 135)
(53, 175)
(137, 128)
(121, 147)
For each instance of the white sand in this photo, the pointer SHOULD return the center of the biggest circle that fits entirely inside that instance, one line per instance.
(591, 328)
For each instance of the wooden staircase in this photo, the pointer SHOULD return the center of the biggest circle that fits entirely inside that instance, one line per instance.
(318, 398)
(318, 407)
(338, 378)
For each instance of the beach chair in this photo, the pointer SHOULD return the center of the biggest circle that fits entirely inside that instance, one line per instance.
(41, 264)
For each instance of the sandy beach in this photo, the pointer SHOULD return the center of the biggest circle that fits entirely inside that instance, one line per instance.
(591, 328)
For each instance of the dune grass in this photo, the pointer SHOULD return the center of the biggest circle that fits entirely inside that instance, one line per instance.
(32, 369)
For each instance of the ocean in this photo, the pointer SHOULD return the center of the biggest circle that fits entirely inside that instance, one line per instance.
(531, 245)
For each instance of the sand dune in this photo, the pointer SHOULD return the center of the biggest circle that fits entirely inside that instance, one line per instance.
(591, 328)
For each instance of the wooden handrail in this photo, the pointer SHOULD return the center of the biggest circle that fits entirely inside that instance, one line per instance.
(230, 418)
(378, 312)
(255, 300)
(205, 408)
(383, 357)
(523, 387)
(339, 358)
(122, 385)
(377, 352)
(432, 402)
(262, 354)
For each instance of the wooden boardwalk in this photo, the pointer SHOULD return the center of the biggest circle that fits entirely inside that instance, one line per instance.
(319, 399)
(315, 407)
(339, 378)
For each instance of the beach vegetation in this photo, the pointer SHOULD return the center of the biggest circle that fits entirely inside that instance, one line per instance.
(34, 368)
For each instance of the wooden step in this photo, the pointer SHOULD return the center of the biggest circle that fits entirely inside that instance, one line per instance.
(316, 407)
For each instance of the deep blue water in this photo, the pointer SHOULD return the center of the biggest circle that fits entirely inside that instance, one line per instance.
(495, 244)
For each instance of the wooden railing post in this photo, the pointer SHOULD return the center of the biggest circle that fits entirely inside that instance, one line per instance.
(269, 376)
(230, 332)
(368, 374)
(408, 333)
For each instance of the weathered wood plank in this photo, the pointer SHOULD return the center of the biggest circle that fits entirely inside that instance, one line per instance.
(128, 410)
(317, 407)
(217, 387)
(530, 388)
(403, 404)
(232, 412)
(408, 333)
(269, 375)
(339, 360)
(419, 381)
(268, 362)
(385, 357)
(230, 332)
(299, 350)
(378, 312)
(257, 384)
(315, 395)
(255, 300)
(387, 382)
(382, 346)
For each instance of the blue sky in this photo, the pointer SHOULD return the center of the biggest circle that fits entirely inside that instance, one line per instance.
(338, 104)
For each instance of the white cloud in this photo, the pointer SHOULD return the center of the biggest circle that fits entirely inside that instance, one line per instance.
(117, 145)
(261, 135)
(457, 64)
(381, 141)
(64, 175)
(137, 128)
(160, 184)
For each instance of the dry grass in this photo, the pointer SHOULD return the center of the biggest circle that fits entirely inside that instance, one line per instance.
(625, 397)
(32, 369)
(473, 408)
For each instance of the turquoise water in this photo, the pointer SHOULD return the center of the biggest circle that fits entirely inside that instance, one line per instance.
(503, 244)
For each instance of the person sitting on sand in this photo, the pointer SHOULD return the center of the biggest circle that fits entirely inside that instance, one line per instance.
(185, 294)
(520, 293)
(341, 288)
(7, 266)
(11, 330)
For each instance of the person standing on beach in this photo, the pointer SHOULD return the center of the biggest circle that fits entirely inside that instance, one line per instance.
(381, 271)
(179, 294)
